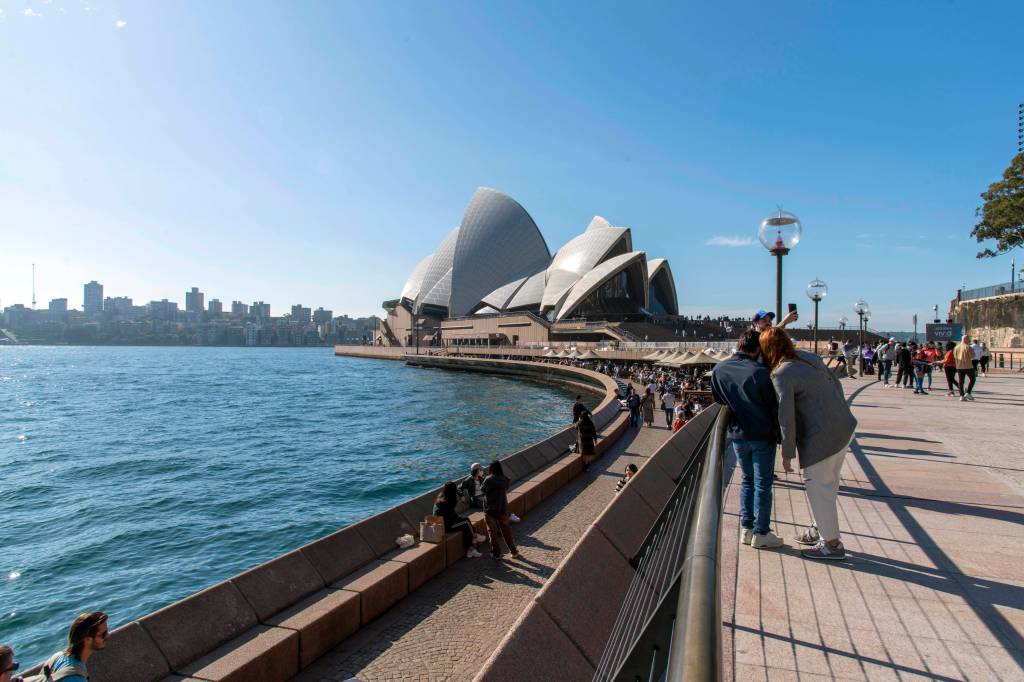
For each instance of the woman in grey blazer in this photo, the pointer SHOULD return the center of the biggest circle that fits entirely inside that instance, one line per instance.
(817, 425)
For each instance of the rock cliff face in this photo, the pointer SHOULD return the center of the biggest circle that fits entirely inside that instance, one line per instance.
(998, 321)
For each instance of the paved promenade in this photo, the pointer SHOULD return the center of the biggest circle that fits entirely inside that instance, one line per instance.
(448, 628)
(932, 510)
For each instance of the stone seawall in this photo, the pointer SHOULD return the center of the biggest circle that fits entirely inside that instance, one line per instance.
(268, 623)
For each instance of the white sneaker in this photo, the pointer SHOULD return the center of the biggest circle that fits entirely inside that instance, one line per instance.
(970, 396)
(963, 398)
(746, 535)
(767, 540)
(479, 538)
(472, 553)
(513, 518)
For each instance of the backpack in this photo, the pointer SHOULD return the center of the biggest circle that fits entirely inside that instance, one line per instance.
(67, 671)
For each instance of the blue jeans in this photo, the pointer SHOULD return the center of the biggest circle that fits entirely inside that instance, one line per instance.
(757, 460)
(634, 416)
(886, 370)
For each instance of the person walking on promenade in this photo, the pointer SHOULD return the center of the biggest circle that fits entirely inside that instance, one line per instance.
(7, 663)
(633, 403)
(744, 384)
(496, 510)
(444, 506)
(964, 355)
(850, 356)
(817, 425)
(904, 361)
(577, 408)
(986, 356)
(87, 635)
(668, 404)
(647, 407)
(931, 356)
(886, 353)
(976, 349)
(948, 364)
(920, 363)
(586, 436)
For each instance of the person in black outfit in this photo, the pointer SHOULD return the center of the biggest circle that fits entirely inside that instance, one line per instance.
(444, 506)
(577, 408)
(496, 510)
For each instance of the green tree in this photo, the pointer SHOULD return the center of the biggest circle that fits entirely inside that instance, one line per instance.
(1002, 215)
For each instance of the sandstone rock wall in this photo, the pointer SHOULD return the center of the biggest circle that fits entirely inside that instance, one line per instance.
(998, 321)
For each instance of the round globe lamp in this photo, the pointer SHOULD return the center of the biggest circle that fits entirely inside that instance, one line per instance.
(779, 233)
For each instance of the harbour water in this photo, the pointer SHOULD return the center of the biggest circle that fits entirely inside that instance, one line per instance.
(131, 477)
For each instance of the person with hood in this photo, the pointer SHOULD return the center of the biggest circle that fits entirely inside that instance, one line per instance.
(496, 513)
(817, 425)
(586, 436)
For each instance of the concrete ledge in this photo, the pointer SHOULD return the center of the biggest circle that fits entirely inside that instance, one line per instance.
(536, 649)
(379, 586)
(279, 583)
(263, 654)
(425, 560)
(596, 575)
(131, 654)
(198, 624)
(381, 530)
(454, 548)
(653, 484)
(323, 621)
(418, 508)
(338, 554)
(626, 521)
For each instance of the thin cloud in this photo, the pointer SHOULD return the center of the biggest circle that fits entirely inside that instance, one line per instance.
(120, 23)
(29, 12)
(730, 241)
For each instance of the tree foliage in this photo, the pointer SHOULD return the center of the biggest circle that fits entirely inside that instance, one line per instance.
(1002, 215)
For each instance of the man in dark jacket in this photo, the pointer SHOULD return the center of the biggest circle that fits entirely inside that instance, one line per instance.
(744, 384)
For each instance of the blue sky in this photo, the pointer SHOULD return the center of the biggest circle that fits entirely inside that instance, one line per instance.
(314, 152)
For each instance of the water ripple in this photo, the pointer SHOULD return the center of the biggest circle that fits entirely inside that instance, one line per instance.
(135, 476)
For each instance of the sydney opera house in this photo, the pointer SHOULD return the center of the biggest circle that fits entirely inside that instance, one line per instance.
(494, 281)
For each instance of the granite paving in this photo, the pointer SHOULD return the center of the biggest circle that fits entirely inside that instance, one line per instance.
(932, 515)
(448, 628)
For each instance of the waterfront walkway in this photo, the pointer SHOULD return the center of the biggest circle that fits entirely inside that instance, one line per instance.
(448, 628)
(932, 511)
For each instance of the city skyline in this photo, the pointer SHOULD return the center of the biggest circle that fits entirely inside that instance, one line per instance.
(289, 157)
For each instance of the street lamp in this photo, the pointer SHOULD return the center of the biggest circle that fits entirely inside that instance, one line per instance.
(842, 326)
(863, 311)
(816, 291)
(779, 233)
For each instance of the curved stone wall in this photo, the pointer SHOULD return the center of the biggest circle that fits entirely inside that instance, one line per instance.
(266, 624)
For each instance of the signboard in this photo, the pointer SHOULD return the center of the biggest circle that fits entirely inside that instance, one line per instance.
(944, 332)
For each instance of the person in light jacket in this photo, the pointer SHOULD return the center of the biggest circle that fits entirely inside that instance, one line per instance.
(816, 424)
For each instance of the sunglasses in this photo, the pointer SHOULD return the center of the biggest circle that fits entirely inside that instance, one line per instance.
(14, 668)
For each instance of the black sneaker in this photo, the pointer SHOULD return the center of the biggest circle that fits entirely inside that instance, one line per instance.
(822, 552)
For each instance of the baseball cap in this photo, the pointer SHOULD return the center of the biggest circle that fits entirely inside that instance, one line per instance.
(475, 466)
(763, 313)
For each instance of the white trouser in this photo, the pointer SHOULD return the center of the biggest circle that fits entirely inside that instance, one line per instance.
(821, 481)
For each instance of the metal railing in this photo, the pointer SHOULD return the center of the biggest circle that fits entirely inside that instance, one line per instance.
(669, 626)
(994, 290)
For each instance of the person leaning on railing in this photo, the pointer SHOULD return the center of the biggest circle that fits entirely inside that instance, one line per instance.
(8, 666)
(816, 424)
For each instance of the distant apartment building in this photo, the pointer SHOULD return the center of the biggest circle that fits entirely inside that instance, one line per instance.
(58, 305)
(215, 307)
(239, 309)
(321, 316)
(93, 297)
(120, 305)
(194, 301)
(260, 310)
(300, 314)
(164, 310)
(16, 315)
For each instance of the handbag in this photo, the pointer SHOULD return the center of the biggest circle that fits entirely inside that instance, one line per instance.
(432, 529)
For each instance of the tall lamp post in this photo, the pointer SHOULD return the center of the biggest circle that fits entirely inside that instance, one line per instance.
(862, 310)
(842, 326)
(779, 233)
(816, 291)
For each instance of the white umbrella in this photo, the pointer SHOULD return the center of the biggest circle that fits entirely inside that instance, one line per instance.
(701, 358)
(551, 353)
(590, 355)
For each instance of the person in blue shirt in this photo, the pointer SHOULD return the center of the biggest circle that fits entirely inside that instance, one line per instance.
(87, 635)
(744, 384)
